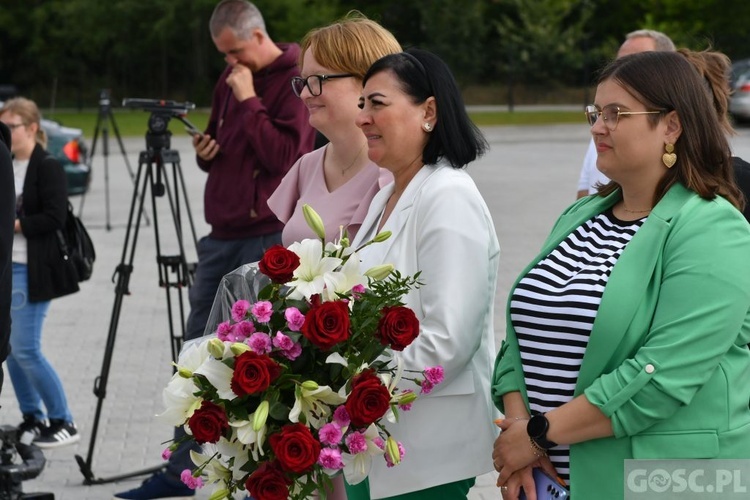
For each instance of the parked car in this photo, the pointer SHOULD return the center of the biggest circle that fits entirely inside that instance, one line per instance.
(68, 146)
(739, 81)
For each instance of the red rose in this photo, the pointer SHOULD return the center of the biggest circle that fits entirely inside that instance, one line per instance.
(369, 399)
(268, 482)
(295, 448)
(278, 264)
(253, 373)
(208, 423)
(398, 327)
(327, 324)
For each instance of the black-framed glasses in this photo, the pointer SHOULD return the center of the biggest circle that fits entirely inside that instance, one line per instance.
(314, 83)
(611, 114)
(13, 126)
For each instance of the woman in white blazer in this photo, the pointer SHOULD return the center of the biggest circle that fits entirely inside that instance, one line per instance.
(417, 128)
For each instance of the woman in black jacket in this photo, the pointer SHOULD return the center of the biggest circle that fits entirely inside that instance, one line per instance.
(40, 273)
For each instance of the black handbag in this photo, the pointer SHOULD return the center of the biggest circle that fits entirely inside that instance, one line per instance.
(76, 245)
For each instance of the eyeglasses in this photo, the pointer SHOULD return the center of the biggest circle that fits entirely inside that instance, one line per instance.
(611, 114)
(13, 126)
(314, 83)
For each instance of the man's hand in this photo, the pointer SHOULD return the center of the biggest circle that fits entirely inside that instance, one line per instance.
(205, 147)
(241, 82)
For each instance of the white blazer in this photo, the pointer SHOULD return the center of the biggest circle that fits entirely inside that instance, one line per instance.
(441, 227)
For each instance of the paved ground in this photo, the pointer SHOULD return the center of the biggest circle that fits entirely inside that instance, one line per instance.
(527, 178)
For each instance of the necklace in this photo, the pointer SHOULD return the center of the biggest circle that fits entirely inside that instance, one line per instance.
(636, 211)
(344, 170)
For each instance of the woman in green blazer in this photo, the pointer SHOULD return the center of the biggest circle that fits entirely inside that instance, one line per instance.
(663, 369)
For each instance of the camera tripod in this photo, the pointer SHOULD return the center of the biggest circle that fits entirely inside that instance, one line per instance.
(103, 120)
(175, 274)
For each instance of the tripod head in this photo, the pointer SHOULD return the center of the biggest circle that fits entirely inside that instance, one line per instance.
(104, 102)
(158, 135)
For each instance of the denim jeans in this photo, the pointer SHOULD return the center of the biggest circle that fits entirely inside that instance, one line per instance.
(215, 259)
(33, 378)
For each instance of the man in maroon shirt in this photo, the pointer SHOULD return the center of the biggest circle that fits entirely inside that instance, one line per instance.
(258, 128)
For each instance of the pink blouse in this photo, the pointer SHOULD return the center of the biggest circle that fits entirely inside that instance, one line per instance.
(346, 206)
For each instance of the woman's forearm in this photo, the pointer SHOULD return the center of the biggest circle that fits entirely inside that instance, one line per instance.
(514, 405)
(576, 421)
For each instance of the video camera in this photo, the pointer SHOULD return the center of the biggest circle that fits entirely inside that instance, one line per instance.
(161, 111)
(18, 462)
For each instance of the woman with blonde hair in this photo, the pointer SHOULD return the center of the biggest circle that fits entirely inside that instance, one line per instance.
(40, 274)
(337, 180)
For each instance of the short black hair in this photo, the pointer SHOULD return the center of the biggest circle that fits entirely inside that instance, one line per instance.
(422, 75)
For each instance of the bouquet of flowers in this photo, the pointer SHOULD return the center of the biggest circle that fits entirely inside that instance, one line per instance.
(293, 389)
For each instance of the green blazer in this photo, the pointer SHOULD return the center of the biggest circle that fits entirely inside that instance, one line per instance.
(667, 360)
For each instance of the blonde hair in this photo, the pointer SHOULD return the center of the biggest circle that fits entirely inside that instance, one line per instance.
(349, 45)
(29, 113)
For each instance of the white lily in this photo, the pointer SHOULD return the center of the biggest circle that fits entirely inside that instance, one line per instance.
(216, 466)
(309, 277)
(336, 359)
(391, 381)
(246, 434)
(238, 451)
(193, 355)
(314, 404)
(357, 467)
(344, 279)
(179, 401)
(218, 375)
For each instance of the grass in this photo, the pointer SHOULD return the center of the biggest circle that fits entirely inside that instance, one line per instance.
(134, 123)
(130, 123)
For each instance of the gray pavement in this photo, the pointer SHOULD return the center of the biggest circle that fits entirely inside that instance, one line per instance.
(528, 177)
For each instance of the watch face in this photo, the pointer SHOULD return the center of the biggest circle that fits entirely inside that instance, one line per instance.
(537, 426)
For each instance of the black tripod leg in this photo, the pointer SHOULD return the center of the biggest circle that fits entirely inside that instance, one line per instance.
(125, 156)
(93, 150)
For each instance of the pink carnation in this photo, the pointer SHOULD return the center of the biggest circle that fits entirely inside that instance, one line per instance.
(358, 291)
(341, 416)
(262, 311)
(427, 387)
(166, 454)
(191, 482)
(224, 331)
(294, 352)
(330, 458)
(239, 310)
(260, 343)
(282, 341)
(243, 330)
(356, 442)
(294, 318)
(434, 374)
(330, 434)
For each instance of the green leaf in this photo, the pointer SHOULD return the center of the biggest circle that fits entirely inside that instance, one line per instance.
(279, 411)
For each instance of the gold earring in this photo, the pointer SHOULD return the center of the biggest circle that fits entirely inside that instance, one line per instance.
(669, 158)
(427, 127)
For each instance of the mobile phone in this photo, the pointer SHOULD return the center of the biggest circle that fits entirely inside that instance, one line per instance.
(193, 131)
(547, 487)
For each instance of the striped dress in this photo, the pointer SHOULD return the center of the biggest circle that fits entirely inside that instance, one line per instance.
(553, 310)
